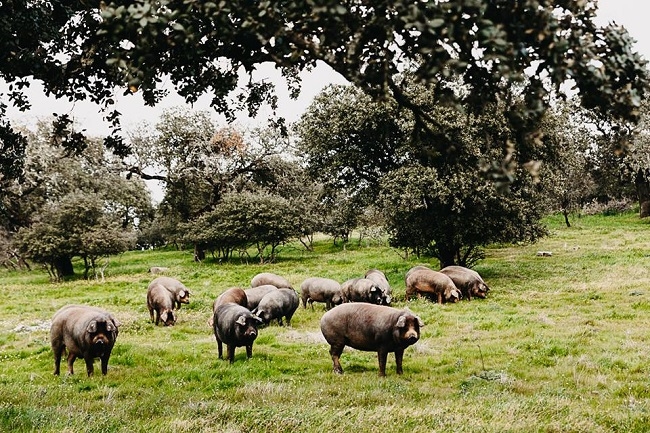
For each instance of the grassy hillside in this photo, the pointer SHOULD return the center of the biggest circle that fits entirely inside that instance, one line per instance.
(560, 345)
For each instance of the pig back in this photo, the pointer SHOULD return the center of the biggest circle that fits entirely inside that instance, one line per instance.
(255, 294)
(235, 295)
(265, 278)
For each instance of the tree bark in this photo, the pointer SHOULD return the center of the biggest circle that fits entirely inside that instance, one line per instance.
(642, 183)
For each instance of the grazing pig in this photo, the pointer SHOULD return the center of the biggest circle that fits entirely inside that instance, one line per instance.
(316, 289)
(373, 328)
(160, 301)
(362, 290)
(277, 304)
(379, 278)
(235, 326)
(272, 279)
(467, 280)
(85, 332)
(181, 294)
(255, 294)
(431, 283)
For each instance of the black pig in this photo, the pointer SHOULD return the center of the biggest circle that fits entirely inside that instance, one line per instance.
(236, 326)
(86, 332)
(373, 328)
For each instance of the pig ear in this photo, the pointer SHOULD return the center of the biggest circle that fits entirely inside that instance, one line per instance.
(163, 316)
(92, 327)
(374, 289)
(241, 320)
(420, 322)
(259, 319)
(401, 322)
(181, 293)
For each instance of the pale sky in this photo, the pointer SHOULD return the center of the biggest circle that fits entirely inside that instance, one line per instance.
(633, 14)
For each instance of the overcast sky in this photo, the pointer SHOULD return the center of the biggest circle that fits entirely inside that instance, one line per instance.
(633, 14)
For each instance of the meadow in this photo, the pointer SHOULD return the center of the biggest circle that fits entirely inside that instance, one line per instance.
(561, 344)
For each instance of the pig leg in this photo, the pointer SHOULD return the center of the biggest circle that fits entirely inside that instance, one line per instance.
(58, 352)
(382, 356)
(399, 356)
(249, 351)
(104, 360)
(71, 359)
(439, 298)
(336, 351)
(220, 348)
(151, 314)
(89, 365)
(230, 350)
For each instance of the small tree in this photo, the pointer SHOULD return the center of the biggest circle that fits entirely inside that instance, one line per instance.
(452, 217)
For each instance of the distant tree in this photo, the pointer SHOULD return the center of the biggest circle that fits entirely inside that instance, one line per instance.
(93, 50)
(451, 217)
(444, 204)
(57, 190)
(76, 226)
(244, 220)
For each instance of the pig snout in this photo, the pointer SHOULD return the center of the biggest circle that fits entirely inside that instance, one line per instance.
(411, 336)
(251, 332)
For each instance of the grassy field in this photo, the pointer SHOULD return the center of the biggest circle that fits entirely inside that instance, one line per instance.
(561, 344)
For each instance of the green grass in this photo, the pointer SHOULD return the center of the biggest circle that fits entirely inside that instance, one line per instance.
(560, 345)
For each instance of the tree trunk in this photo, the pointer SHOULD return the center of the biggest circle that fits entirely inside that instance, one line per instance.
(565, 212)
(643, 192)
(63, 266)
(199, 254)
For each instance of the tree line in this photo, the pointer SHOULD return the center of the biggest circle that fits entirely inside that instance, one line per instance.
(350, 163)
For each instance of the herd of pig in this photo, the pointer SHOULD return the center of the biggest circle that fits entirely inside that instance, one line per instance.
(358, 314)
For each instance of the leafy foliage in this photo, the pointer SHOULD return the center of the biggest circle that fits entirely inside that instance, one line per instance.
(90, 51)
(243, 220)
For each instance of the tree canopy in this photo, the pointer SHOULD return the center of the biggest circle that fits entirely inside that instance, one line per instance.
(93, 50)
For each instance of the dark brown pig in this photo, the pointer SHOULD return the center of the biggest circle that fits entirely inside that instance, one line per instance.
(467, 280)
(180, 293)
(362, 290)
(264, 278)
(160, 304)
(255, 294)
(235, 326)
(85, 332)
(277, 304)
(317, 289)
(432, 284)
(234, 295)
(372, 328)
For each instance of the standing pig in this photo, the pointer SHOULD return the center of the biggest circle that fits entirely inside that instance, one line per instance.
(276, 305)
(255, 294)
(160, 301)
(362, 290)
(235, 326)
(467, 280)
(269, 278)
(372, 328)
(316, 289)
(86, 332)
(181, 294)
(379, 278)
(431, 283)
